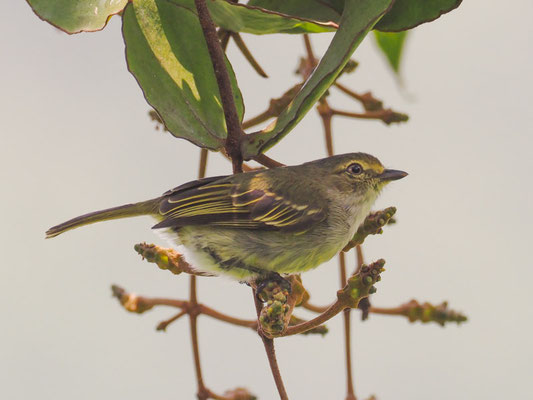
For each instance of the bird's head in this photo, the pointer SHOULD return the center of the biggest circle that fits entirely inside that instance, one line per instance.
(356, 173)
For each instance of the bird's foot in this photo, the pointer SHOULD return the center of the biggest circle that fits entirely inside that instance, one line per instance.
(267, 285)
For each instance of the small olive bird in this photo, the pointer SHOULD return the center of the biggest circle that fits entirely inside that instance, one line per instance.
(264, 223)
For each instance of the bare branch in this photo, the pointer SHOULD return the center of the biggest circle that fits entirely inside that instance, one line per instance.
(360, 285)
(270, 352)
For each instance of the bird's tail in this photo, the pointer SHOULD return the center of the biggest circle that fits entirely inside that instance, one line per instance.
(149, 207)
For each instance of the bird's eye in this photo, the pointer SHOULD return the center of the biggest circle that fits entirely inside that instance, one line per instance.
(355, 169)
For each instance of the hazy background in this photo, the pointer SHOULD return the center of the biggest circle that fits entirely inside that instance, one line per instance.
(76, 137)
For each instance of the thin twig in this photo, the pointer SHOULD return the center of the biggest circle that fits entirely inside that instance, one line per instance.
(270, 352)
(233, 125)
(193, 310)
(388, 116)
(350, 394)
(224, 36)
(246, 53)
(162, 326)
(326, 114)
(203, 393)
(265, 115)
(358, 287)
(309, 49)
(267, 161)
(369, 102)
(245, 167)
(332, 310)
(314, 307)
(275, 107)
(247, 323)
(203, 163)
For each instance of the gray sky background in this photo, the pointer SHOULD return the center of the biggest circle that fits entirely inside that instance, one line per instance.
(76, 137)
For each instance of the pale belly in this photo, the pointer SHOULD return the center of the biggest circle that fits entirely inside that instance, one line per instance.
(243, 254)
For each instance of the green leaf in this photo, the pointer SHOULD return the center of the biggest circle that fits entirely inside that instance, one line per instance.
(406, 14)
(318, 10)
(358, 18)
(74, 16)
(243, 18)
(238, 17)
(391, 44)
(167, 54)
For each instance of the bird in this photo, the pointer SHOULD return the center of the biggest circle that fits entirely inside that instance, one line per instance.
(262, 224)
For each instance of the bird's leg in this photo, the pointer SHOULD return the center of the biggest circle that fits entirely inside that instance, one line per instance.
(267, 282)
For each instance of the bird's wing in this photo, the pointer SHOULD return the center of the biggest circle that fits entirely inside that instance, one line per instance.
(225, 203)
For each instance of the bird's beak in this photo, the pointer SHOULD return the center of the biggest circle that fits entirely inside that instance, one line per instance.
(392, 175)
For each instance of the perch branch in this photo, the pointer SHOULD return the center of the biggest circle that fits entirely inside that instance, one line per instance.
(270, 351)
(359, 285)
